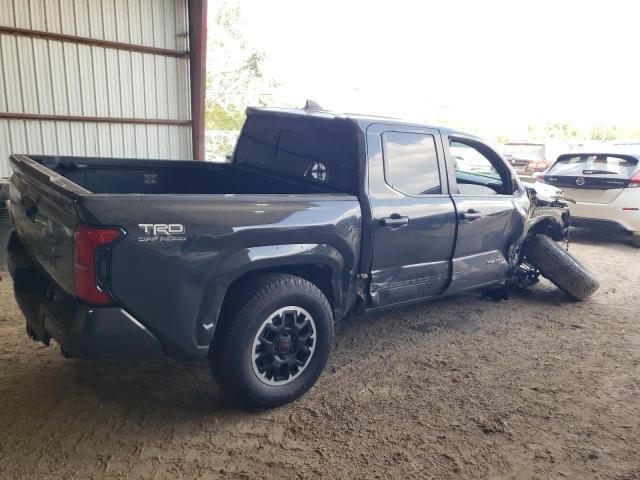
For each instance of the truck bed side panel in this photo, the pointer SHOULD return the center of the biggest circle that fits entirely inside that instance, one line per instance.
(168, 282)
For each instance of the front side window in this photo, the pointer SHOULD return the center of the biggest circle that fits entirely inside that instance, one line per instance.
(411, 163)
(477, 169)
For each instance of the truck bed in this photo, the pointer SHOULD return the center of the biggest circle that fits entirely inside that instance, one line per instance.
(229, 220)
(114, 175)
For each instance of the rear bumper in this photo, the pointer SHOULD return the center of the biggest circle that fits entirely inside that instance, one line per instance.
(80, 330)
(612, 215)
(597, 224)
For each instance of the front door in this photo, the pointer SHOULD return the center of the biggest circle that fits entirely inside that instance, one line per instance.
(490, 218)
(413, 214)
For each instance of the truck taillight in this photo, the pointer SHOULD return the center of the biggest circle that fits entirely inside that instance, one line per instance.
(634, 181)
(91, 258)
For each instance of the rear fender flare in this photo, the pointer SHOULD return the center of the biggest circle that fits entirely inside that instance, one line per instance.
(269, 258)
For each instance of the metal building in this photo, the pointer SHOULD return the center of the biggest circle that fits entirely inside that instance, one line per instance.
(110, 78)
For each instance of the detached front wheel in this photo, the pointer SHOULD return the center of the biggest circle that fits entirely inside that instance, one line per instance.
(273, 346)
(564, 270)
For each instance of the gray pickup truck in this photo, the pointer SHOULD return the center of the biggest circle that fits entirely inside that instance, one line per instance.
(251, 263)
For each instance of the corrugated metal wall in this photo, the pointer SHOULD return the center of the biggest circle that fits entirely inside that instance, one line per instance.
(44, 76)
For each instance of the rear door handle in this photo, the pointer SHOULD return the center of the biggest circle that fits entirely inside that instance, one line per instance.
(394, 221)
(470, 215)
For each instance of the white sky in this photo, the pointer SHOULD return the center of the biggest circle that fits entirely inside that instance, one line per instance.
(484, 63)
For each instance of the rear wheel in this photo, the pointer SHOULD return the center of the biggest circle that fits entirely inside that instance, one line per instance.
(273, 347)
(635, 239)
(563, 269)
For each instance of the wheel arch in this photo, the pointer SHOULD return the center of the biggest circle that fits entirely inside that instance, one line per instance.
(317, 273)
(321, 264)
(548, 225)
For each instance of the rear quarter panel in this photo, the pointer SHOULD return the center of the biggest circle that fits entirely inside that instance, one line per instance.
(175, 286)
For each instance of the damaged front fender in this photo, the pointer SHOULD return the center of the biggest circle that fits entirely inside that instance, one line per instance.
(543, 195)
(548, 210)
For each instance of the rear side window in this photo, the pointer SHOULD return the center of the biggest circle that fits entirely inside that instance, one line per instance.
(578, 165)
(320, 152)
(411, 163)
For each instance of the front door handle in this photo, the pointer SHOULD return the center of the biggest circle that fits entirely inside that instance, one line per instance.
(470, 215)
(394, 221)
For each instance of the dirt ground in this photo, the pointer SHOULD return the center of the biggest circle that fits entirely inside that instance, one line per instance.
(534, 387)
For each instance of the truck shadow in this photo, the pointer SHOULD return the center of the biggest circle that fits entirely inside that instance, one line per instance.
(161, 392)
(189, 385)
(162, 382)
(597, 236)
(458, 313)
(455, 313)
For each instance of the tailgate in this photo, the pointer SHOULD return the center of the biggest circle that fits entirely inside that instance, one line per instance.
(41, 204)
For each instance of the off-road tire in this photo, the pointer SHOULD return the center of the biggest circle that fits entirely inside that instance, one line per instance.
(635, 239)
(560, 267)
(231, 352)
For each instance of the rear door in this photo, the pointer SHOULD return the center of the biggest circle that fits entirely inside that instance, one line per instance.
(592, 178)
(413, 216)
(490, 219)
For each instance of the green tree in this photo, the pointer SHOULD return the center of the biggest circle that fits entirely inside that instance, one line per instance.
(235, 78)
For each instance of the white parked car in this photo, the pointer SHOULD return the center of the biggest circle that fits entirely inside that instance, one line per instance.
(605, 186)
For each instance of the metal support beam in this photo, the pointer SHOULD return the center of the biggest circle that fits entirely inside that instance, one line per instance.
(94, 42)
(91, 119)
(198, 53)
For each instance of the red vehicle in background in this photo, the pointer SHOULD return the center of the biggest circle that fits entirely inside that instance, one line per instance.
(528, 158)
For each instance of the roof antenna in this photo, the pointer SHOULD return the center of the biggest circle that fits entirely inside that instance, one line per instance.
(311, 105)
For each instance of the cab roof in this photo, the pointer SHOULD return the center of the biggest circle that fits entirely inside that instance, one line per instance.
(362, 121)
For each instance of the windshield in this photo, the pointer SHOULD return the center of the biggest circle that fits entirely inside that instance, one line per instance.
(525, 151)
(579, 165)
